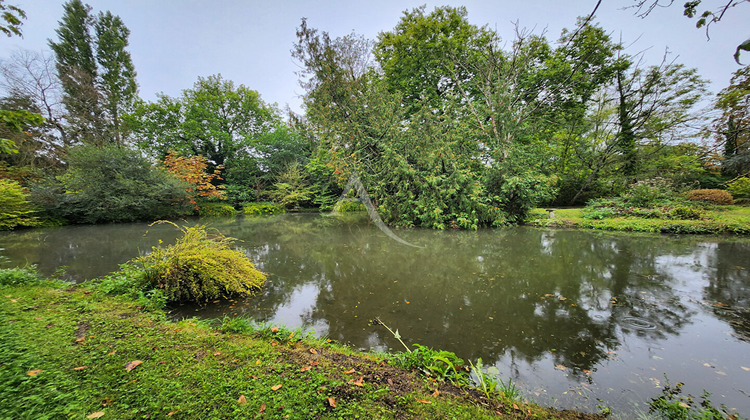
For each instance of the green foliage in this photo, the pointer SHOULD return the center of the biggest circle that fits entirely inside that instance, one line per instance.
(11, 16)
(19, 276)
(419, 55)
(15, 208)
(215, 119)
(739, 188)
(200, 267)
(438, 364)
(16, 121)
(347, 206)
(111, 184)
(292, 189)
(649, 193)
(216, 209)
(672, 405)
(130, 279)
(323, 182)
(117, 75)
(720, 197)
(687, 213)
(261, 209)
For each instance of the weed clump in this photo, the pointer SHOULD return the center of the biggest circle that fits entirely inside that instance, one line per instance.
(200, 267)
(19, 276)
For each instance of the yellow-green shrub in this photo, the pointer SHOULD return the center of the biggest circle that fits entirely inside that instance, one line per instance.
(216, 209)
(711, 196)
(740, 187)
(15, 209)
(261, 209)
(201, 267)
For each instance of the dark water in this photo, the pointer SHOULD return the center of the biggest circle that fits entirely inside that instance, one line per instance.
(577, 319)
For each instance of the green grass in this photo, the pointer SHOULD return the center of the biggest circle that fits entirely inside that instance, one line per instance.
(719, 219)
(64, 353)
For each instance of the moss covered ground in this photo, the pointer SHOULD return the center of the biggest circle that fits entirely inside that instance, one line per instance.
(72, 352)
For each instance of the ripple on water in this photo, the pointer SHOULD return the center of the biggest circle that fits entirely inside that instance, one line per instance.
(639, 324)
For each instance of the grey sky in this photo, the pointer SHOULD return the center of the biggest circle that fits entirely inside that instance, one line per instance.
(175, 41)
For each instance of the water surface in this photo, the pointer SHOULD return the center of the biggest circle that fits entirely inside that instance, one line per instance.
(577, 319)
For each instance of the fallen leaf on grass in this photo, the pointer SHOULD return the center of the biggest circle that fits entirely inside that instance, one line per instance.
(436, 393)
(313, 351)
(80, 340)
(305, 368)
(262, 408)
(682, 404)
(515, 406)
(112, 353)
(14, 300)
(274, 330)
(291, 335)
(217, 353)
(95, 415)
(132, 365)
(80, 368)
(242, 400)
(358, 382)
(423, 401)
(332, 402)
(276, 387)
(172, 413)
(34, 372)
(349, 372)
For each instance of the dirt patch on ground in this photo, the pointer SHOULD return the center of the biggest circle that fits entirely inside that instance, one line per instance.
(401, 383)
(81, 329)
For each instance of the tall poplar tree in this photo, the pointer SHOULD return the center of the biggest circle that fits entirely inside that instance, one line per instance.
(96, 72)
(117, 78)
(76, 68)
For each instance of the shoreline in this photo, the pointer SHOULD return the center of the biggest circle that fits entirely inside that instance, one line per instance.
(74, 351)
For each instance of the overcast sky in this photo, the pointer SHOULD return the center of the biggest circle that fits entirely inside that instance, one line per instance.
(172, 42)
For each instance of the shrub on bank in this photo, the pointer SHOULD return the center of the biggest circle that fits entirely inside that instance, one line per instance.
(349, 206)
(111, 184)
(200, 267)
(739, 188)
(15, 209)
(216, 209)
(720, 197)
(261, 209)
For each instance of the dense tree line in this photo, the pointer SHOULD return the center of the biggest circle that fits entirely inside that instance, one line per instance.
(445, 124)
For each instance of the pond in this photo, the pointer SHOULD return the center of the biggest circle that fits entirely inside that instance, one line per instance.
(577, 319)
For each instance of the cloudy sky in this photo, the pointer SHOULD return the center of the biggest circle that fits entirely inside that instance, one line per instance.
(249, 41)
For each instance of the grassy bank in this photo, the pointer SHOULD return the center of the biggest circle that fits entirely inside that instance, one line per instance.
(720, 219)
(72, 352)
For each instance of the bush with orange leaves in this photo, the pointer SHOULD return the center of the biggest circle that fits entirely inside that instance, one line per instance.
(193, 170)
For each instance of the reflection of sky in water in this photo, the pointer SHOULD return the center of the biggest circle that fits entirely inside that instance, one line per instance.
(296, 312)
(570, 316)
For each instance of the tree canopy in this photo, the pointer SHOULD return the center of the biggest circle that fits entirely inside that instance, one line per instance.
(215, 119)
